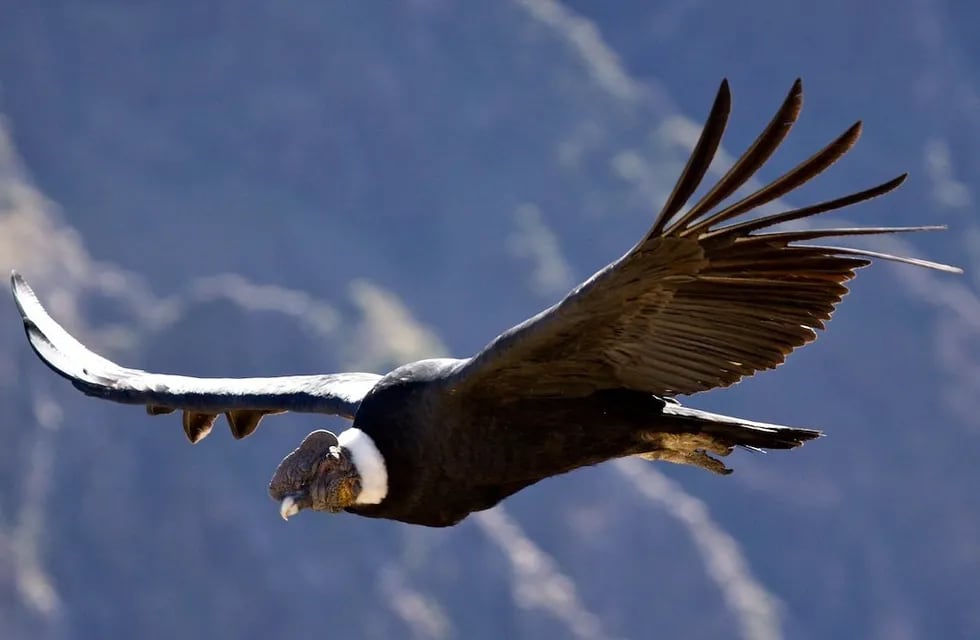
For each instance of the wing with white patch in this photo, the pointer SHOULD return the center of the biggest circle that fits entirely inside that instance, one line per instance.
(244, 401)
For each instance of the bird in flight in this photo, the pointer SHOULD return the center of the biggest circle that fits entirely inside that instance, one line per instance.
(708, 296)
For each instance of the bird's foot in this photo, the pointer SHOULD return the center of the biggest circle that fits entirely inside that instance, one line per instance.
(687, 448)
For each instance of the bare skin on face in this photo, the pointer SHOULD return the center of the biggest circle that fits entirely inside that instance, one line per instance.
(318, 475)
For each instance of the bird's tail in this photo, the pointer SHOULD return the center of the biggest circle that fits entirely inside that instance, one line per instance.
(738, 431)
(689, 436)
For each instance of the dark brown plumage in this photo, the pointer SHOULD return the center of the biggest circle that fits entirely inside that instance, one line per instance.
(695, 304)
(707, 297)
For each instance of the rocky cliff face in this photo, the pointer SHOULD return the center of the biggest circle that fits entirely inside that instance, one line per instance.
(256, 189)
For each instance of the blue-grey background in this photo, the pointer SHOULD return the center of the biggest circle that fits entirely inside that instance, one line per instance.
(256, 188)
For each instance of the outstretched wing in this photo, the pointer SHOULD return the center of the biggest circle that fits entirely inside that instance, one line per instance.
(697, 303)
(244, 401)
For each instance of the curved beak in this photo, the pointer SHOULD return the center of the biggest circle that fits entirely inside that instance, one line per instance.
(288, 507)
(293, 504)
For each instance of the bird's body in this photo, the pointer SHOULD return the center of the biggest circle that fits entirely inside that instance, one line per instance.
(447, 467)
(445, 460)
(704, 299)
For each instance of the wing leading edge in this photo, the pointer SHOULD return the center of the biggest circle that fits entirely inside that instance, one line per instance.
(244, 401)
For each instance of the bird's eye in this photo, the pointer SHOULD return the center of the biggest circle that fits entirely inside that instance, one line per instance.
(325, 464)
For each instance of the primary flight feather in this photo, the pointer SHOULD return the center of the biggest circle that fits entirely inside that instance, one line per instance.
(705, 298)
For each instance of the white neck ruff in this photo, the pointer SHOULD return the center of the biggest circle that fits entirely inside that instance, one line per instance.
(370, 465)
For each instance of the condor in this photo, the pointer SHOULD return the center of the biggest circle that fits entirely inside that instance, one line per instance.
(708, 296)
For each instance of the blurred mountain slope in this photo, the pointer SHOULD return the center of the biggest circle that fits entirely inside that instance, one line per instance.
(237, 189)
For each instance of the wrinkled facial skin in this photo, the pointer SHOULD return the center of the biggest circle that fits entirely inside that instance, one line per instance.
(336, 483)
(318, 475)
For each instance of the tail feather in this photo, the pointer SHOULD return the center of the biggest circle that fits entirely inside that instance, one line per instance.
(689, 436)
(738, 431)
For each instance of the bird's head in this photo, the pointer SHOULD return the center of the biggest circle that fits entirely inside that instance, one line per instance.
(318, 475)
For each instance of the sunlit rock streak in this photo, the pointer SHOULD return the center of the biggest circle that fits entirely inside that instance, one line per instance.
(419, 611)
(583, 37)
(754, 607)
(534, 243)
(537, 581)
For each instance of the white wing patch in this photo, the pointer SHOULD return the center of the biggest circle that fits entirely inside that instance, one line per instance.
(243, 400)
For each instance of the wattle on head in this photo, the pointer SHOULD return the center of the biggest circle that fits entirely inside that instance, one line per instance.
(318, 475)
